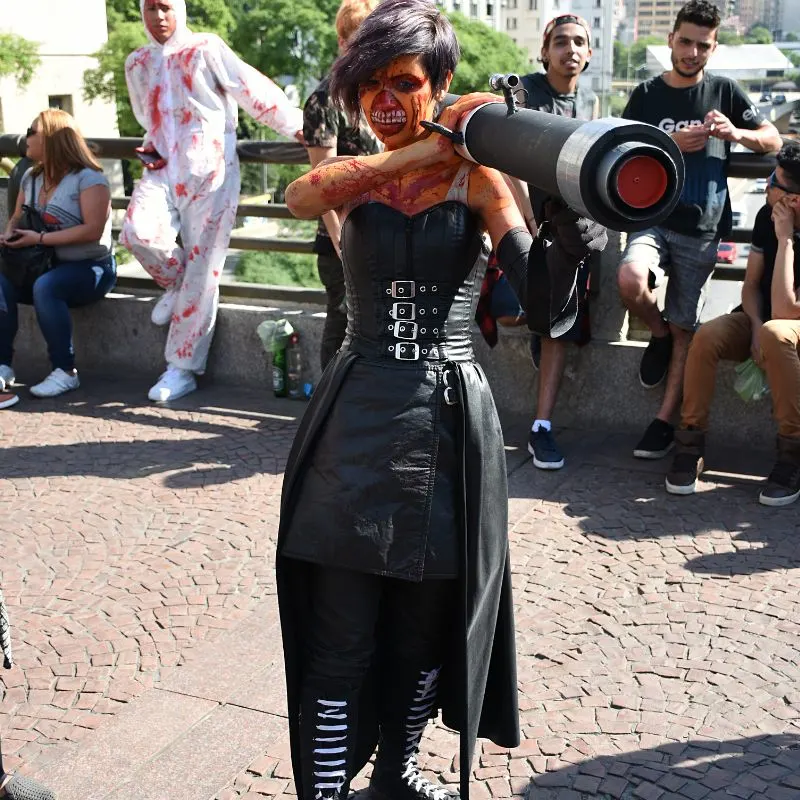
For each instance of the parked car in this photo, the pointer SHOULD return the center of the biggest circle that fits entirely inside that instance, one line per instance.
(766, 98)
(738, 215)
(726, 253)
(760, 185)
(779, 99)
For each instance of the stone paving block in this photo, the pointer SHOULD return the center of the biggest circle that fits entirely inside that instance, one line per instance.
(654, 633)
(119, 748)
(223, 742)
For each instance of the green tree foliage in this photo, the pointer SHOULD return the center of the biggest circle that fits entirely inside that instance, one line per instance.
(758, 34)
(18, 57)
(278, 268)
(106, 81)
(793, 56)
(287, 37)
(628, 61)
(483, 52)
(729, 37)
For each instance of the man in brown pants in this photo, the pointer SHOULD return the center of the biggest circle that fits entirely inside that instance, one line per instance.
(765, 327)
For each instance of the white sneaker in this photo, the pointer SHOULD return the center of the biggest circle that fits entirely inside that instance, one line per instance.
(56, 383)
(174, 383)
(6, 377)
(162, 311)
(7, 400)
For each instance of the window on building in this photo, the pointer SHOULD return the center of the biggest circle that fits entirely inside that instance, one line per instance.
(473, 9)
(597, 22)
(533, 5)
(596, 42)
(489, 9)
(61, 101)
(555, 5)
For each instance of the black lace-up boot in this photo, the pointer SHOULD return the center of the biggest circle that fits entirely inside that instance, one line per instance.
(404, 715)
(328, 722)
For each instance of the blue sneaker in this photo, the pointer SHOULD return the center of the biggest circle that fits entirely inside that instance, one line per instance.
(542, 446)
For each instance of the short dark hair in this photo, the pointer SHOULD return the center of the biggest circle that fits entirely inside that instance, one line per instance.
(789, 162)
(700, 13)
(395, 28)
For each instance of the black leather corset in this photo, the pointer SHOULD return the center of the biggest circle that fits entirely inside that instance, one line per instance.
(412, 281)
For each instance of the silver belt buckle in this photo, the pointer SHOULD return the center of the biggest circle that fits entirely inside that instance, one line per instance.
(401, 348)
(402, 310)
(403, 288)
(406, 330)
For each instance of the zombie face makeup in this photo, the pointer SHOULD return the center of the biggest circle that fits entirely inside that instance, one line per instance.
(159, 19)
(396, 99)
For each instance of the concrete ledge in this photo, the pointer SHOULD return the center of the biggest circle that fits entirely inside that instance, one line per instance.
(600, 389)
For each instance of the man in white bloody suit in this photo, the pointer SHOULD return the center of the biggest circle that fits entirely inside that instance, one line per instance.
(184, 89)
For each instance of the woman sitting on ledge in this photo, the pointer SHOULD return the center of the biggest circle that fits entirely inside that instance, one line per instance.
(68, 188)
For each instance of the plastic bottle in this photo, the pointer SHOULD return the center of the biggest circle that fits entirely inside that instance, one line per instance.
(279, 382)
(274, 335)
(294, 368)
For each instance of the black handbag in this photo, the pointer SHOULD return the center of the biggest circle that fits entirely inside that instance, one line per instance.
(22, 266)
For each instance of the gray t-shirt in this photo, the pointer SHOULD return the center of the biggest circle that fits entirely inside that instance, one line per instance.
(63, 210)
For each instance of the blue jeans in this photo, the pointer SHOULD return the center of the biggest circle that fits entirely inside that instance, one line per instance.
(68, 285)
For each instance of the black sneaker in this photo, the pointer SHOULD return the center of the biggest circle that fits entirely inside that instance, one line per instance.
(655, 361)
(536, 351)
(688, 462)
(542, 446)
(658, 440)
(783, 485)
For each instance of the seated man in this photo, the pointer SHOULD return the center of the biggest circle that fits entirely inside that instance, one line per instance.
(767, 327)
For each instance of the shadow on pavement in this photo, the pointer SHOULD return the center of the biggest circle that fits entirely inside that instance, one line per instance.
(615, 496)
(208, 438)
(757, 767)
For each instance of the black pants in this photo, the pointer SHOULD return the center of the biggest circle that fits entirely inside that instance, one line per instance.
(355, 614)
(332, 276)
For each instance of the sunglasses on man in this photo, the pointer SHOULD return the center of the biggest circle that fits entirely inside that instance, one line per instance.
(773, 184)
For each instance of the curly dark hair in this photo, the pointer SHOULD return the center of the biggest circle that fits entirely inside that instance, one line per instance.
(699, 12)
(789, 162)
(395, 28)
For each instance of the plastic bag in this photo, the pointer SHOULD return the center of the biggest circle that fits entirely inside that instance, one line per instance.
(751, 383)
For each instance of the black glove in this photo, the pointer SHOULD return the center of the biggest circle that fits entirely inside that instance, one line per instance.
(578, 236)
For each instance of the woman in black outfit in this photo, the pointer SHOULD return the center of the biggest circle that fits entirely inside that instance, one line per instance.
(393, 571)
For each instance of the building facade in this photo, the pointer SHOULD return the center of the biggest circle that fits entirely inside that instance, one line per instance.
(486, 11)
(66, 42)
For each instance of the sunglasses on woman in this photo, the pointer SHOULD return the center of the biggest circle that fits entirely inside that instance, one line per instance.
(773, 184)
(30, 132)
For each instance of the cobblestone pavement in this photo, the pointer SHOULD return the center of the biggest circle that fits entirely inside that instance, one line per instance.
(657, 636)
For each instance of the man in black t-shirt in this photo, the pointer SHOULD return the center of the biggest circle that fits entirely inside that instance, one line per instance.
(328, 132)
(705, 115)
(766, 328)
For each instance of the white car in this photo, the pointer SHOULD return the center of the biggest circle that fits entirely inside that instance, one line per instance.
(760, 185)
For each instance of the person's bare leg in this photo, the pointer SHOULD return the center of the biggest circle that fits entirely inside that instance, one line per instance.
(638, 298)
(681, 339)
(551, 370)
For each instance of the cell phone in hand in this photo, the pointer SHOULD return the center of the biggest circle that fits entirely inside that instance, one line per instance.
(149, 157)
